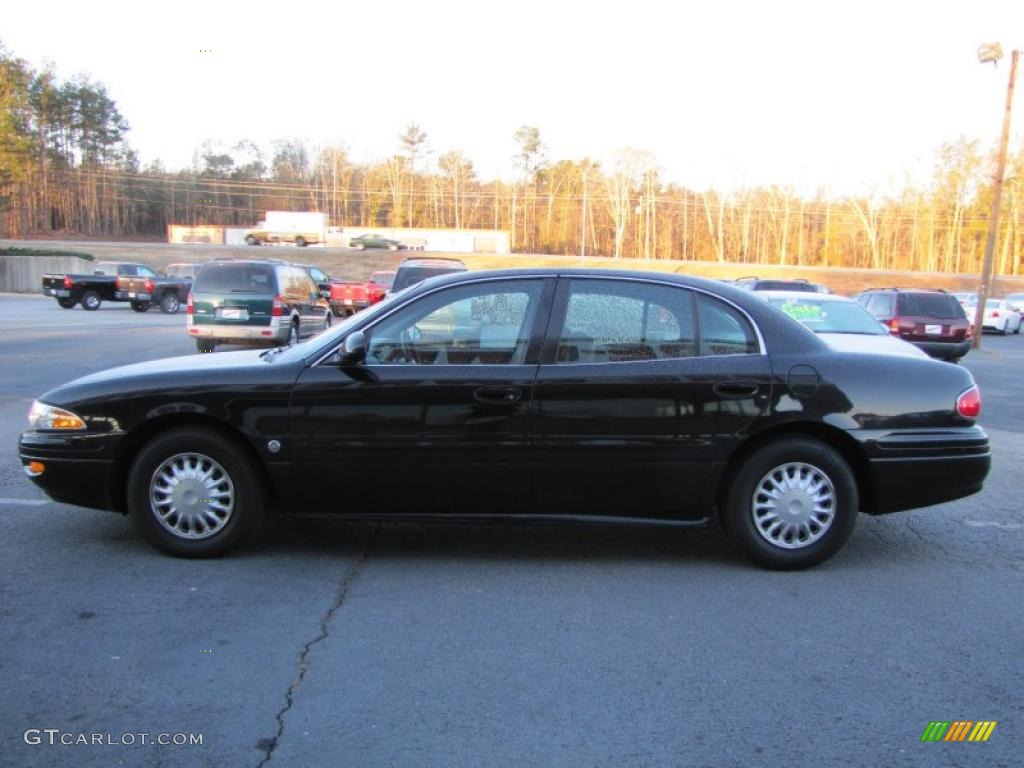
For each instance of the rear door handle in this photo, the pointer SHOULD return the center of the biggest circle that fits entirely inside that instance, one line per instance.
(735, 389)
(498, 395)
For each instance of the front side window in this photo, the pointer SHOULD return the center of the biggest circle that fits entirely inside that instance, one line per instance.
(479, 324)
(610, 321)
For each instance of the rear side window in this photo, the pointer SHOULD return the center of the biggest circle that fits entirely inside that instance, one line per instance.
(723, 330)
(235, 278)
(937, 305)
(880, 305)
(611, 321)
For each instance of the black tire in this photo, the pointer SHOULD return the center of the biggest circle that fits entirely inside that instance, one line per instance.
(91, 301)
(338, 311)
(764, 465)
(250, 240)
(206, 345)
(300, 242)
(141, 306)
(230, 472)
(67, 303)
(170, 304)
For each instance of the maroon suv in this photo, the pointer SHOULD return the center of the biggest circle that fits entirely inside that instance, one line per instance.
(931, 320)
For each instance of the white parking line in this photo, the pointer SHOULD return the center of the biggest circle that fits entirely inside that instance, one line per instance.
(994, 524)
(24, 502)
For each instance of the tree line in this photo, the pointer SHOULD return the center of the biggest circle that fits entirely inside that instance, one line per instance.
(66, 166)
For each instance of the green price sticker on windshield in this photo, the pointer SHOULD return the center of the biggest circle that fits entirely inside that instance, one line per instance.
(802, 311)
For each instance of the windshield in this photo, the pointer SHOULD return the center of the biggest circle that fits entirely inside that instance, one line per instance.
(830, 316)
(235, 277)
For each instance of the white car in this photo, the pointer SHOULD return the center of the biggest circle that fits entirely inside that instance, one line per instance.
(1002, 316)
(841, 323)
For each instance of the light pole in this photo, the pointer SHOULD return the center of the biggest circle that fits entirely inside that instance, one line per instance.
(986, 53)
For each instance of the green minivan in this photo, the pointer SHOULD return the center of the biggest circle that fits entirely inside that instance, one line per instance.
(256, 303)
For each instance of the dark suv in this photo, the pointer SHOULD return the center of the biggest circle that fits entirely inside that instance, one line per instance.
(931, 320)
(412, 271)
(264, 303)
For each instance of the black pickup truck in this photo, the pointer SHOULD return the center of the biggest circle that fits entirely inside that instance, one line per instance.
(118, 281)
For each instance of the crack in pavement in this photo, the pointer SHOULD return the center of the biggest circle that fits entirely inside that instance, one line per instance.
(269, 745)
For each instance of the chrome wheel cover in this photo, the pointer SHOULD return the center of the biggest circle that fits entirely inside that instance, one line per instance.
(793, 505)
(192, 496)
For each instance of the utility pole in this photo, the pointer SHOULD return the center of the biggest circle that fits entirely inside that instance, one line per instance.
(993, 52)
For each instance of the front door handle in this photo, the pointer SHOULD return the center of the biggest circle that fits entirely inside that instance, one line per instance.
(498, 395)
(735, 389)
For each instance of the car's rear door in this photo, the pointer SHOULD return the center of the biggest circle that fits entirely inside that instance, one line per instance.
(642, 388)
(437, 420)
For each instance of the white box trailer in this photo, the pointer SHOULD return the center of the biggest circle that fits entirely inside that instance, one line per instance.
(299, 227)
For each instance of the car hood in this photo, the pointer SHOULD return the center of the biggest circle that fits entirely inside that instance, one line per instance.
(218, 368)
(870, 344)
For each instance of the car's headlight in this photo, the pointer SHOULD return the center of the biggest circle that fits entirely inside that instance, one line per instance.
(43, 416)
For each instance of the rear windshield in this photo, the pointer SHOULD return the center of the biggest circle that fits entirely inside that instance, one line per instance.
(938, 305)
(824, 316)
(235, 278)
(412, 275)
(385, 279)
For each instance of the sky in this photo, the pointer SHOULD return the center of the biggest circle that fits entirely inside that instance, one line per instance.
(841, 96)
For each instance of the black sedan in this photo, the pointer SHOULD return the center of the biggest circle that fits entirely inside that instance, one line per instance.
(580, 396)
(363, 242)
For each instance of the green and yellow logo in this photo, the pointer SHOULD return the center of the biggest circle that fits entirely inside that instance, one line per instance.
(958, 730)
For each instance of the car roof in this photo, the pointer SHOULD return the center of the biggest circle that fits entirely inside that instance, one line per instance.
(430, 261)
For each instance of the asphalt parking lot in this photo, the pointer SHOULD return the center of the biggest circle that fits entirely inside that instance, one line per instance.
(352, 644)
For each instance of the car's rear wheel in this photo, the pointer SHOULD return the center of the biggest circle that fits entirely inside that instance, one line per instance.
(300, 241)
(170, 303)
(91, 301)
(791, 504)
(250, 240)
(67, 303)
(338, 311)
(140, 306)
(360, 247)
(194, 493)
(206, 345)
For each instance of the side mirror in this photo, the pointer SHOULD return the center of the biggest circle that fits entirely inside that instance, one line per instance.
(353, 349)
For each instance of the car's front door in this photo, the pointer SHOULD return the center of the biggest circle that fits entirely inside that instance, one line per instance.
(437, 419)
(641, 386)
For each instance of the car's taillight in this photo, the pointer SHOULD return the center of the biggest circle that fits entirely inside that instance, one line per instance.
(190, 307)
(278, 308)
(968, 405)
(67, 282)
(149, 286)
(970, 332)
(119, 283)
(894, 325)
(994, 313)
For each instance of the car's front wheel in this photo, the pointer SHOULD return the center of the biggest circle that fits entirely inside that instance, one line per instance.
(792, 503)
(195, 493)
(250, 240)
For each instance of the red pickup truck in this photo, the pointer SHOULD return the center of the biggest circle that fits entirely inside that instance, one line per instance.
(348, 298)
